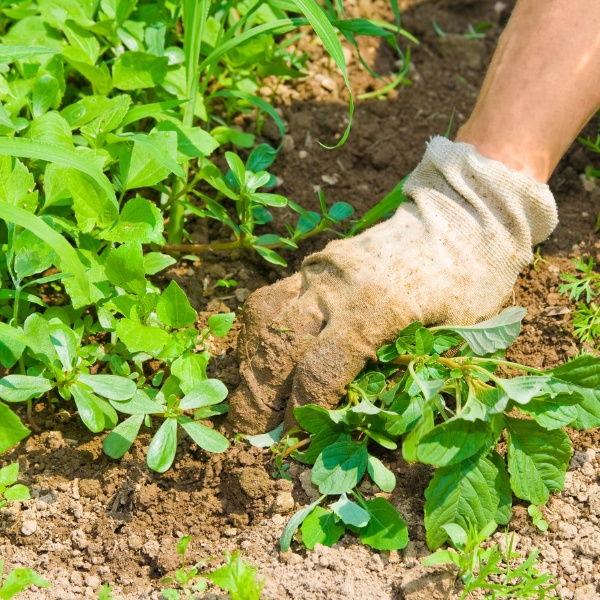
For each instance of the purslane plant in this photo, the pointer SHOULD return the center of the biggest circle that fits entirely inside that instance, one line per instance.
(437, 391)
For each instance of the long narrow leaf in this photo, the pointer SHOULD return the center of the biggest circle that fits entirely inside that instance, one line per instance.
(69, 261)
(326, 33)
(259, 103)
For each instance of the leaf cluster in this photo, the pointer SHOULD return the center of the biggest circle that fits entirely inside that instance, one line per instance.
(17, 580)
(10, 490)
(584, 289)
(451, 412)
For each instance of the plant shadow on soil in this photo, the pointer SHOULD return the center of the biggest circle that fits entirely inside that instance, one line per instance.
(93, 519)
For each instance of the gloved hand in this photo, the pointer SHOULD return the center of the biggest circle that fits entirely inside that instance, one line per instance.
(452, 256)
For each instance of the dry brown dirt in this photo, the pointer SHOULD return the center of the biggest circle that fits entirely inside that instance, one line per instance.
(95, 520)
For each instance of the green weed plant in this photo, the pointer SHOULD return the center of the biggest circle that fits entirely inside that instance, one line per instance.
(114, 117)
(438, 393)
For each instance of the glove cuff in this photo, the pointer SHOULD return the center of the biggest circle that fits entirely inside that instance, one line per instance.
(500, 197)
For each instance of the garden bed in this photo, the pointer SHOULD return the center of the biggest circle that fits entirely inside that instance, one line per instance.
(94, 520)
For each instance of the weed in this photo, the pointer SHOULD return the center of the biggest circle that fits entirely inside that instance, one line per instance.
(537, 517)
(493, 570)
(17, 580)
(449, 412)
(111, 121)
(586, 316)
(236, 577)
(10, 491)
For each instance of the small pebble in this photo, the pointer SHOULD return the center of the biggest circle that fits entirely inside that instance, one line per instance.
(29, 527)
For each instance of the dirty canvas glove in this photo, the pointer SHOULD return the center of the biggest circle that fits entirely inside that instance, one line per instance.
(451, 256)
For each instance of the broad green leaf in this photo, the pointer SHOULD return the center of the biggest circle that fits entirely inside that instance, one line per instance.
(523, 389)
(349, 512)
(321, 527)
(237, 167)
(220, 324)
(452, 441)
(424, 426)
(124, 267)
(340, 211)
(69, 261)
(193, 142)
(582, 375)
(11, 347)
(89, 407)
(142, 338)
(381, 439)
(155, 262)
(19, 388)
(174, 309)
(190, 370)
(294, 523)
(65, 342)
(340, 467)
(12, 431)
(148, 160)
(266, 440)
(163, 447)
(9, 474)
(32, 255)
(537, 459)
(381, 475)
(18, 579)
(111, 117)
(550, 415)
(204, 393)
(112, 387)
(323, 439)
(16, 183)
(37, 332)
(386, 529)
(17, 492)
(139, 404)
(429, 388)
(504, 512)
(138, 70)
(208, 439)
(464, 493)
(493, 334)
(120, 439)
(313, 418)
(24, 148)
(140, 221)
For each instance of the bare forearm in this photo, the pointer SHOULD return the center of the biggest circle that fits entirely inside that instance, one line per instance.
(542, 86)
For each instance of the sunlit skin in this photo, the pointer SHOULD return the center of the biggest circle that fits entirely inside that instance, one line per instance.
(542, 86)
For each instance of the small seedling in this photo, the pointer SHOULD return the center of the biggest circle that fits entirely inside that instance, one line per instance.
(10, 491)
(17, 580)
(227, 283)
(237, 577)
(537, 517)
(584, 289)
(189, 581)
(492, 570)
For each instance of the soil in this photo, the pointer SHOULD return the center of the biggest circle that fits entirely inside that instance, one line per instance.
(93, 520)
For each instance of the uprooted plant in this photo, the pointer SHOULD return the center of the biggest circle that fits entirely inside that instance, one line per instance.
(439, 392)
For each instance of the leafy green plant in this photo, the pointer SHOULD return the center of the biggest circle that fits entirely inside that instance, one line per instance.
(236, 577)
(583, 289)
(10, 491)
(493, 570)
(17, 580)
(114, 116)
(450, 412)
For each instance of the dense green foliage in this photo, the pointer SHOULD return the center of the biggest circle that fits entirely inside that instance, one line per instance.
(114, 115)
(451, 412)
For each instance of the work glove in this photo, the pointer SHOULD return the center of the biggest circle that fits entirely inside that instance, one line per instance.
(452, 255)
